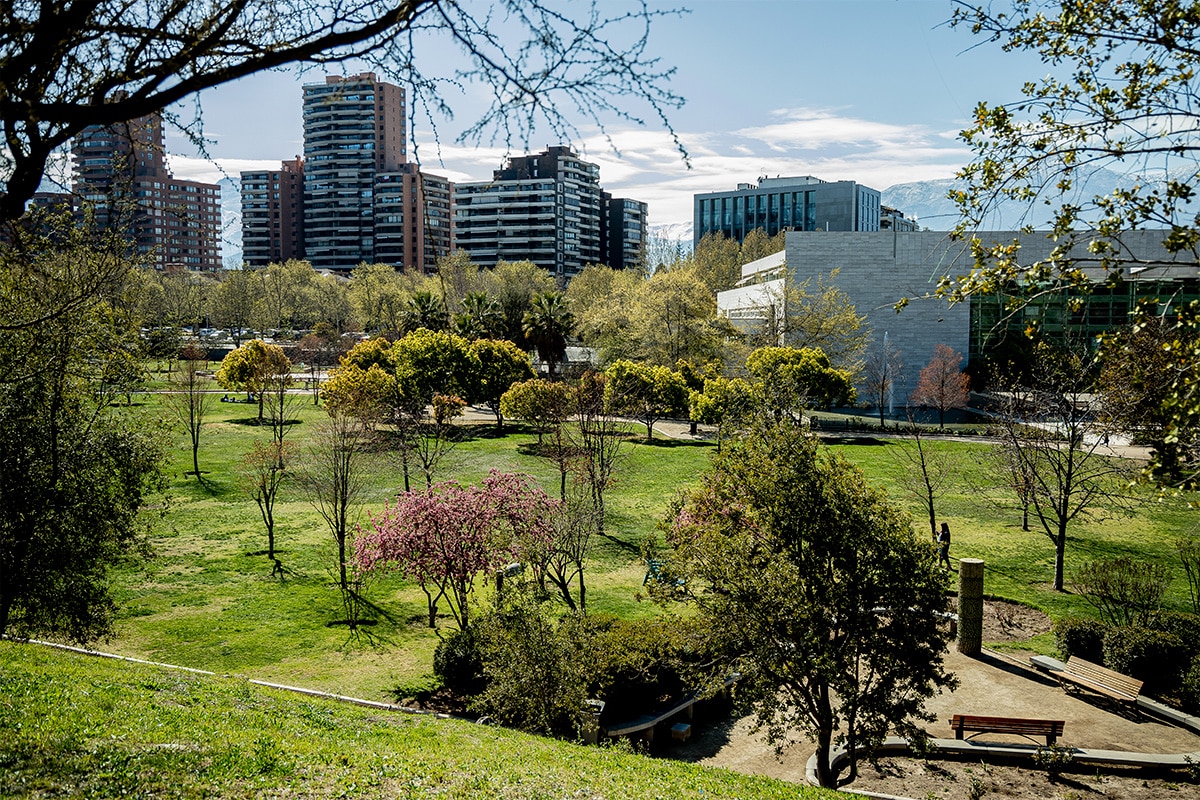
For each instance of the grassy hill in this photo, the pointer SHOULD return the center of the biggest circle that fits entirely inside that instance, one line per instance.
(80, 726)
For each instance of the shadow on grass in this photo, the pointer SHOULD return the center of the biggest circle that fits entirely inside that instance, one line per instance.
(865, 441)
(672, 443)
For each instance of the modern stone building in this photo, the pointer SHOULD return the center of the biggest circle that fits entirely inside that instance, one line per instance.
(121, 176)
(544, 208)
(787, 204)
(876, 269)
(273, 214)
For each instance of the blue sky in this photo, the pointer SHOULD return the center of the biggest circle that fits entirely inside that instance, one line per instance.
(869, 90)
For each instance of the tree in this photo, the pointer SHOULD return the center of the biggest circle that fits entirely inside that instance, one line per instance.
(942, 384)
(596, 438)
(542, 404)
(287, 301)
(428, 363)
(565, 558)
(337, 465)
(67, 66)
(815, 590)
(726, 403)
(480, 318)
(821, 318)
(500, 365)
(320, 349)
(263, 472)
(646, 393)
(237, 302)
(1054, 435)
(424, 310)
(1118, 96)
(75, 472)
(378, 294)
(789, 379)
(255, 368)
(189, 399)
(674, 318)
(447, 536)
(514, 284)
(1140, 367)
(924, 469)
(546, 326)
(602, 299)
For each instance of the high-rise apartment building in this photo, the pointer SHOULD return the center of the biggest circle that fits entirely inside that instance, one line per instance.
(121, 176)
(787, 204)
(623, 231)
(544, 208)
(354, 130)
(413, 218)
(273, 214)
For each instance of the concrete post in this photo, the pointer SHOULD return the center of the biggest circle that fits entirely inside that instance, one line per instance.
(970, 606)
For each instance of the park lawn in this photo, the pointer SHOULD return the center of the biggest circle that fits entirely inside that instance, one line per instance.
(207, 598)
(79, 726)
(1019, 565)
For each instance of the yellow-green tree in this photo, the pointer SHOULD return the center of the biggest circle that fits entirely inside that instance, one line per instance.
(254, 368)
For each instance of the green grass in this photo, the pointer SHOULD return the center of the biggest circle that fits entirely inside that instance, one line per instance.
(207, 598)
(1019, 563)
(78, 726)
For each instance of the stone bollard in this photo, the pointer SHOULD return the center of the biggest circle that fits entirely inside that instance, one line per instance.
(970, 606)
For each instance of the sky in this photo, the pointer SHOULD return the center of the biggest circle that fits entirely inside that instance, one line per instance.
(874, 91)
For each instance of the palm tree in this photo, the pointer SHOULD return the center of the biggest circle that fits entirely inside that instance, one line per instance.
(480, 318)
(546, 325)
(425, 310)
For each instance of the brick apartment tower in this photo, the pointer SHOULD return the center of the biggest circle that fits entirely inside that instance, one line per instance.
(121, 175)
(273, 214)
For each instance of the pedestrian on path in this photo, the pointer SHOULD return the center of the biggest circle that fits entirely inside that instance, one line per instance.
(943, 541)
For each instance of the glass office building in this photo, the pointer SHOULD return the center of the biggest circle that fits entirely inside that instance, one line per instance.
(787, 204)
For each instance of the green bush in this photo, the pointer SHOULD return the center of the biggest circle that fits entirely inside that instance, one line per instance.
(1080, 636)
(1177, 623)
(457, 663)
(535, 669)
(1157, 659)
(1189, 691)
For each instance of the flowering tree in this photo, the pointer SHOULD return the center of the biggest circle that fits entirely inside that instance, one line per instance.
(445, 537)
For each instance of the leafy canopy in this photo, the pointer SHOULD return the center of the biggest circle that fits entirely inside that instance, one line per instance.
(814, 588)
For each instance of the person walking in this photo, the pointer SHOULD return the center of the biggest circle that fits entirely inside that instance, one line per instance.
(943, 541)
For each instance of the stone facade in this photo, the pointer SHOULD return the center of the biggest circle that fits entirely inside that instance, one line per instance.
(878, 268)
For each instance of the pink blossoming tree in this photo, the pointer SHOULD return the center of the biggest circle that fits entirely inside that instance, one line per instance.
(448, 535)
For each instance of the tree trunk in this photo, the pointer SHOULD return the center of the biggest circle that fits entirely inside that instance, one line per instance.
(582, 589)
(1060, 548)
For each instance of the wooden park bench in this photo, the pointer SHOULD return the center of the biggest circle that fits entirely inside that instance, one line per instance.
(1082, 674)
(1050, 728)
